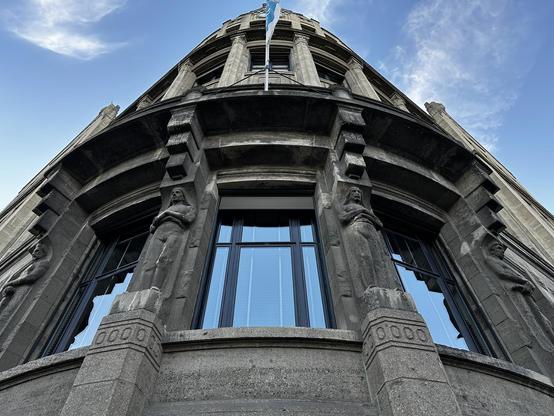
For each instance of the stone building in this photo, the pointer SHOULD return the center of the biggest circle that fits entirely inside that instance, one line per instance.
(324, 248)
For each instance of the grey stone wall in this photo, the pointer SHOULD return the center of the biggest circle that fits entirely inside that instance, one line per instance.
(352, 153)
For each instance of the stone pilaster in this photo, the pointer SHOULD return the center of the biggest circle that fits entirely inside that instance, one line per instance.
(358, 82)
(183, 82)
(349, 141)
(404, 371)
(122, 364)
(399, 102)
(237, 62)
(106, 116)
(306, 72)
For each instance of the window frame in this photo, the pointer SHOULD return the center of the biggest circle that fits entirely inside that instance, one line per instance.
(73, 314)
(276, 53)
(228, 300)
(446, 280)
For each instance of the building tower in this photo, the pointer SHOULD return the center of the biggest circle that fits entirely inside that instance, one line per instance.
(324, 248)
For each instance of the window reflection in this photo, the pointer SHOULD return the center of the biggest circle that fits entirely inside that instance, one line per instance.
(265, 272)
(265, 294)
(432, 306)
(99, 306)
(259, 229)
(109, 278)
(313, 288)
(433, 290)
(213, 306)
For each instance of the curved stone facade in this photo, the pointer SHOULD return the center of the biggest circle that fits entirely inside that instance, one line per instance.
(331, 131)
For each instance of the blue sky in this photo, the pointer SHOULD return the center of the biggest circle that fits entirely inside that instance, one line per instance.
(490, 62)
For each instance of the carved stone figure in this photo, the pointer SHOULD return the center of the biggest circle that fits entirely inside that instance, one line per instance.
(13, 292)
(523, 289)
(168, 229)
(366, 254)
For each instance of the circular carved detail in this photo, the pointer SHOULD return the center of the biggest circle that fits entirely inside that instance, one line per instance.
(100, 338)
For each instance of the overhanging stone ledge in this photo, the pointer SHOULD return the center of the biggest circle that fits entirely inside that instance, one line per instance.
(475, 362)
(278, 337)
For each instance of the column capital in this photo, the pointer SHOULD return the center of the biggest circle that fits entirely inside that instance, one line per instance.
(434, 108)
(186, 65)
(239, 38)
(355, 63)
(301, 38)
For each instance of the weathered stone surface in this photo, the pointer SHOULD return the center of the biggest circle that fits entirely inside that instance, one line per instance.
(169, 229)
(403, 369)
(121, 367)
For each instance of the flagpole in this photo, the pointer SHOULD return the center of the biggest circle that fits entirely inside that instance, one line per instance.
(266, 66)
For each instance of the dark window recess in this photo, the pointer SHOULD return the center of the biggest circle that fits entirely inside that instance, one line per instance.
(284, 24)
(307, 28)
(279, 60)
(425, 276)
(257, 24)
(329, 75)
(212, 75)
(265, 272)
(232, 29)
(109, 276)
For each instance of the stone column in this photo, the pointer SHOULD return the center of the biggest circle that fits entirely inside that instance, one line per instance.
(358, 81)
(306, 72)
(106, 116)
(403, 368)
(185, 81)
(237, 62)
(119, 372)
(399, 102)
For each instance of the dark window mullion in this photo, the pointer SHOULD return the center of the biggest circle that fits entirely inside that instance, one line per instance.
(76, 316)
(300, 292)
(415, 268)
(231, 276)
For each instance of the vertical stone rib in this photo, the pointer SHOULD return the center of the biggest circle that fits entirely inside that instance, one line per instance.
(306, 72)
(236, 63)
(185, 81)
(358, 82)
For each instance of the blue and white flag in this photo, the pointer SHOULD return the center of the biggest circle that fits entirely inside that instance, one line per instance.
(272, 17)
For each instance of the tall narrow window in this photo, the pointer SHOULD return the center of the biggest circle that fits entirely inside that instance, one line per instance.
(437, 297)
(279, 59)
(110, 276)
(265, 271)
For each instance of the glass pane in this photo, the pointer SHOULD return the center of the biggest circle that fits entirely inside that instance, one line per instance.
(313, 288)
(99, 306)
(133, 251)
(420, 260)
(265, 294)
(266, 228)
(399, 251)
(215, 294)
(225, 230)
(306, 231)
(431, 305)
(115, 257)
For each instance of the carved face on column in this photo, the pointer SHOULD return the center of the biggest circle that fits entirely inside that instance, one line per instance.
(497, 250)
(354, 196)
(177, 195)
(39, 252)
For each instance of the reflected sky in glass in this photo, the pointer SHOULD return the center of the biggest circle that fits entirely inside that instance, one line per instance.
(431, 306)
(217, 282)
(102, 304)
(265, 295)
(313, 289)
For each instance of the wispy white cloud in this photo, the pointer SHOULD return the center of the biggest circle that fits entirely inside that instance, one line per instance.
(62, 25)
(320, 10)
(466, 54)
